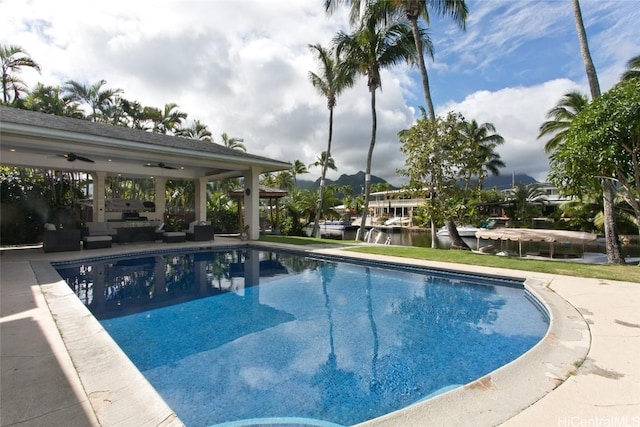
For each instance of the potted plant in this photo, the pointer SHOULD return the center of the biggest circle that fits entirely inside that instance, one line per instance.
(244, 233)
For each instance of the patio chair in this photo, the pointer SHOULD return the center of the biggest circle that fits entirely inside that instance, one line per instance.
(200, 233)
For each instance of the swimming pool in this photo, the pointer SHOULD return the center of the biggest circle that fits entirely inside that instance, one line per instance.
(317, 339)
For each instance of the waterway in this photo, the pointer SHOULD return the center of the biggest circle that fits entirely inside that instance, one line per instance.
(422, 238)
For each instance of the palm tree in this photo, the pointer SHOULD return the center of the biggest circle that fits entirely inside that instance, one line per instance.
(523, 197)
(233, 142)
(414, 11)
(47, 99)
(561, 117)
(197, 130)
(483, 141)
(612, 243)
(324, 160)
(333, 79)
(298, 169)
(94, 96)
(170, 118)
(12, 60)
(375, 45)
(268, 179)
(592, 75)
(633, 69)
(116, 112)
(285, 180)
(140, 117)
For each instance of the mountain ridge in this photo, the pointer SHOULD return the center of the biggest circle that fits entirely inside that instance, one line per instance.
(356, 181)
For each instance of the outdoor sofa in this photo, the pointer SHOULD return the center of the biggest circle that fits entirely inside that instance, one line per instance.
(67, 239)
(125, 231)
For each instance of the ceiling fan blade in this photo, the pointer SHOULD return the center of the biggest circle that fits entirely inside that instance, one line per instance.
(159, 165)
(84, 159)
(72, 157)
(69, 157)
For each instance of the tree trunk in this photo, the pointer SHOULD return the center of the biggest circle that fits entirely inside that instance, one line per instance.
(423, 68)
(456, 240)
(316, 222)
(434, 244)
(367, 176)
(592, 76)
(614, 254)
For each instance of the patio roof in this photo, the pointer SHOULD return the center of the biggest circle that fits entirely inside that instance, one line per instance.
(265, 193)
(536, 235)
(33, 139)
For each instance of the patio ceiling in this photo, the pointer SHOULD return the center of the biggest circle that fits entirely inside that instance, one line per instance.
(32, 139)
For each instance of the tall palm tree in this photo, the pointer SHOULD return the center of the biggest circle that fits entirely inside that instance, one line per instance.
(414, 11)
(560, 118)
(633, 69)
(12, 60)
(333, 79)
(375, 45)
(233, 142)
(483, 141)
(94, 96)
(612, 243)
(592, 75)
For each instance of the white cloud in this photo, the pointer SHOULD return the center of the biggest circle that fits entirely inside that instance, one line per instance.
(517, 114)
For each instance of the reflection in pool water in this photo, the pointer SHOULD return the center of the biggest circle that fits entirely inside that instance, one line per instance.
(246, 334)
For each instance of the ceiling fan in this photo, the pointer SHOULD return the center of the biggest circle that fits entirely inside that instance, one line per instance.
(159, 165)
(72, 157)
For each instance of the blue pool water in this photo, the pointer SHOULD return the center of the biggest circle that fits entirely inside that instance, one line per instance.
(245, 335)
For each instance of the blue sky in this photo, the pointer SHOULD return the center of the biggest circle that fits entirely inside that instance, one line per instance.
(240, 66)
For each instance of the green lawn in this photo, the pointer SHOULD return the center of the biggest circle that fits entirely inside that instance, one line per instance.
(628, 273)
(294, 240)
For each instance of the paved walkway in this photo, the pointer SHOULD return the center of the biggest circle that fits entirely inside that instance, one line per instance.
(605, 390)
(41, 386)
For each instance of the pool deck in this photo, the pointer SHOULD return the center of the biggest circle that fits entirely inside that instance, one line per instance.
(51, 376)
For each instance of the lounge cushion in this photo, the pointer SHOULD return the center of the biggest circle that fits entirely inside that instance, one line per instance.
(95, 242)
(174, 237)
(100, 229)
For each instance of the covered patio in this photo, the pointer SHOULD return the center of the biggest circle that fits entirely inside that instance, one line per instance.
(37, 140)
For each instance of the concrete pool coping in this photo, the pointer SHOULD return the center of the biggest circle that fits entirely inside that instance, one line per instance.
(101, 386)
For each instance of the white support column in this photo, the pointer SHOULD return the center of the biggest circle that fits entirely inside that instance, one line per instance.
(252, 202)
(161, 197)
(98, 196)
(201, 199)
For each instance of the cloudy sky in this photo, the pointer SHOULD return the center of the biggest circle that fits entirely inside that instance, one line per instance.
(241, 67)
